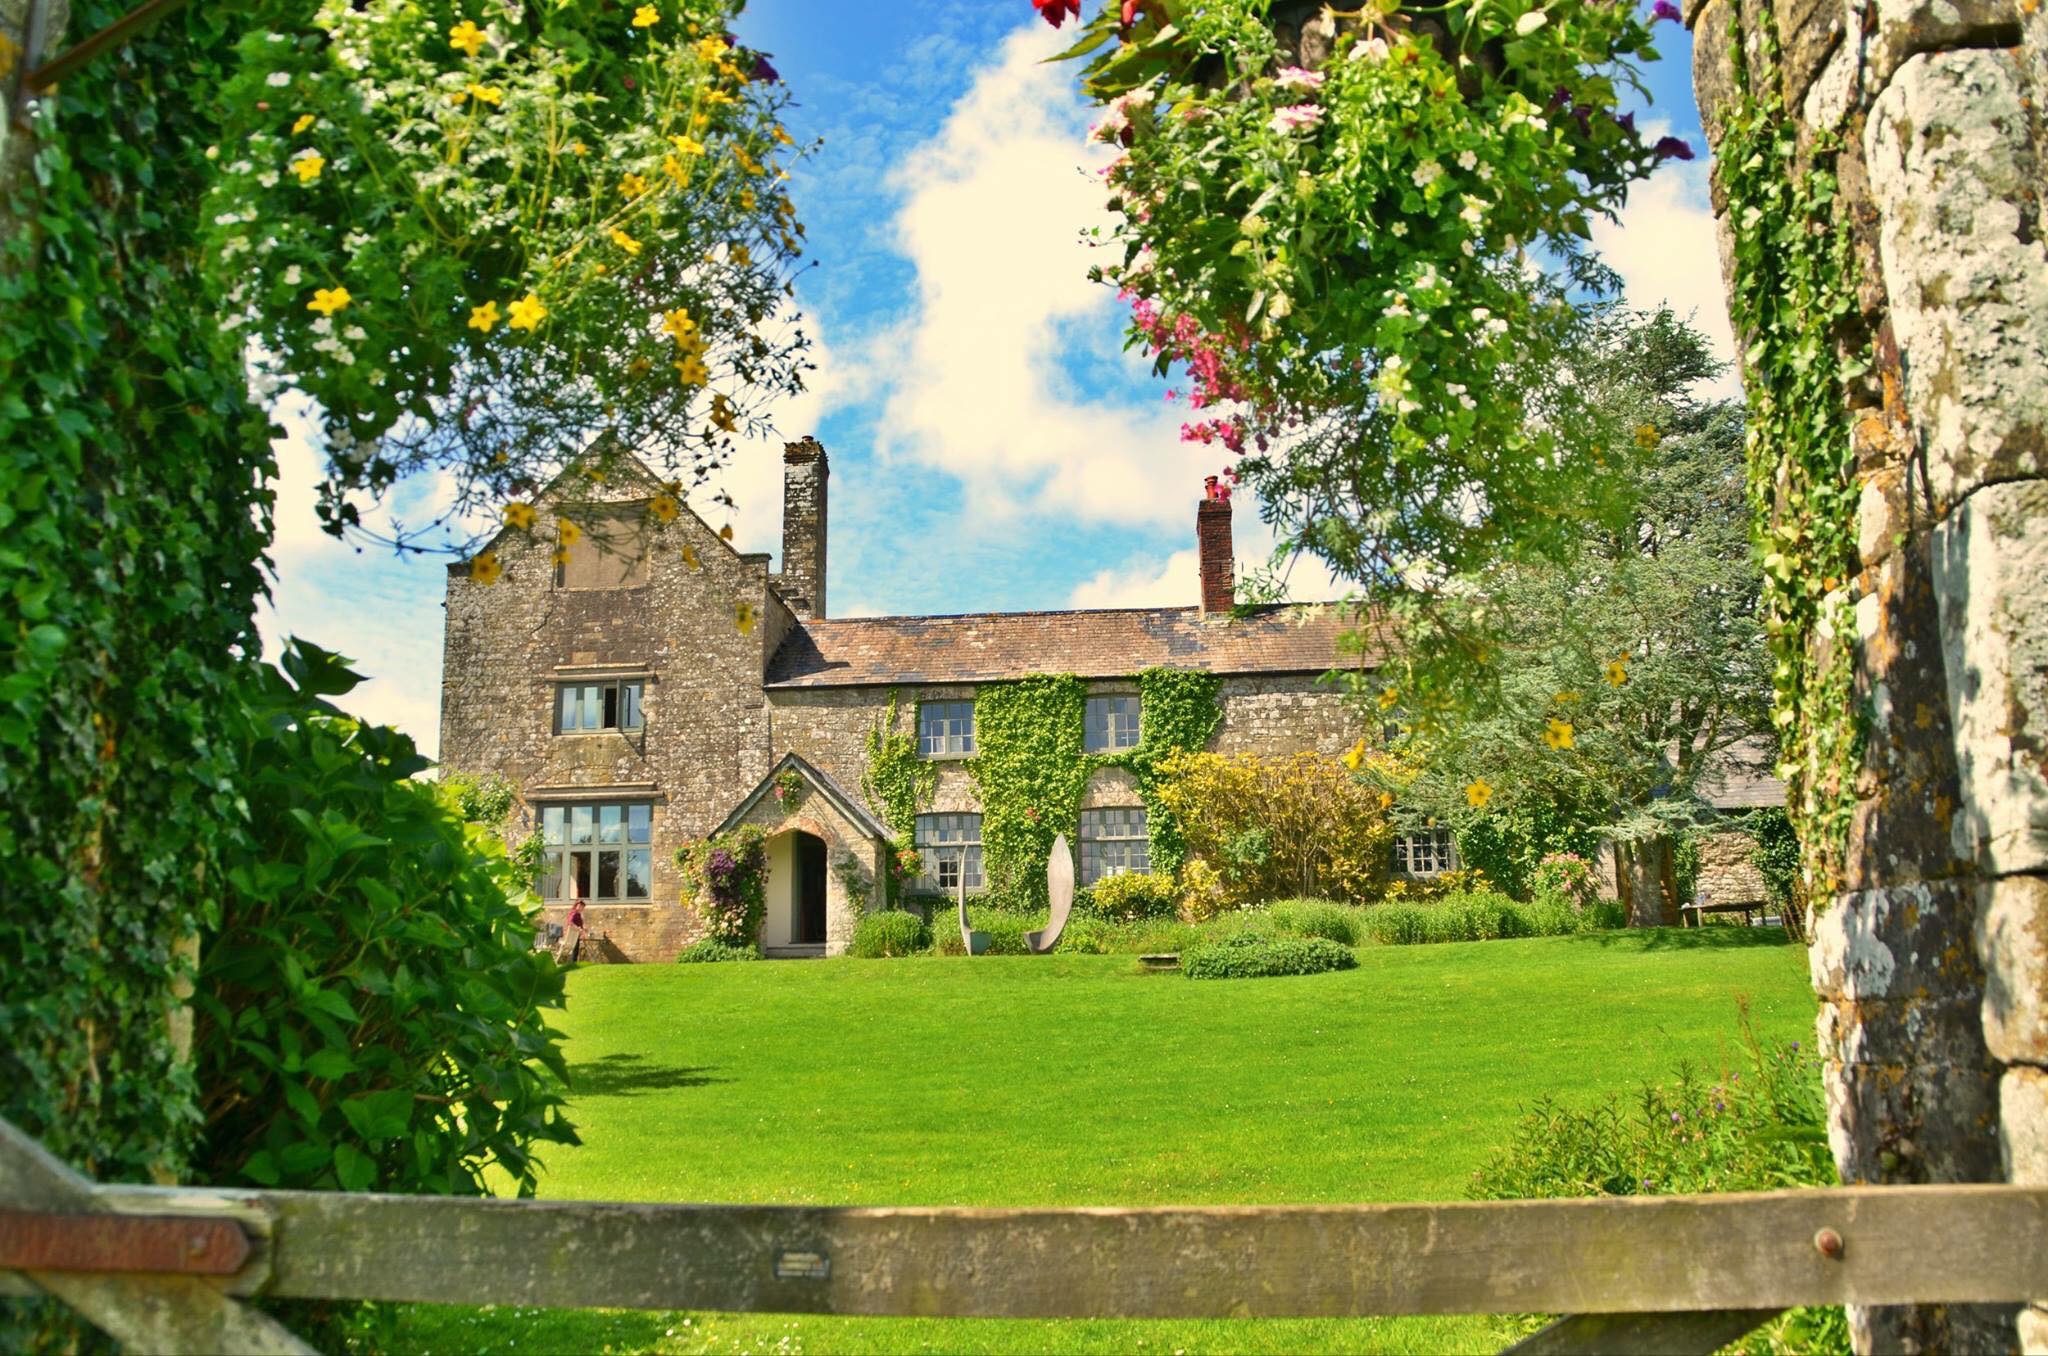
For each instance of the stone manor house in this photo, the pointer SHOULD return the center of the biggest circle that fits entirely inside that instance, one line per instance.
(641, 690)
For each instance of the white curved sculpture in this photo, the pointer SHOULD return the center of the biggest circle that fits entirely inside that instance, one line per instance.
(1059, 890)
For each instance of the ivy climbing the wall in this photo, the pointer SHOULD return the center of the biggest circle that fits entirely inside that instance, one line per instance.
(898, 784)
(1795, 290)
(1031, 769)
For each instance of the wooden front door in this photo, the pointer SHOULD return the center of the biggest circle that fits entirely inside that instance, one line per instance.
(810, 890)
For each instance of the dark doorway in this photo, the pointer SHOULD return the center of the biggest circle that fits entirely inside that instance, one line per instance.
(810, 890)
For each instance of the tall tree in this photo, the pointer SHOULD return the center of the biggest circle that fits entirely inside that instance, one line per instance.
(1625, 673)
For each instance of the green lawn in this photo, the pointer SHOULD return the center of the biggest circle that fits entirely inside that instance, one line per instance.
(1082, 1081)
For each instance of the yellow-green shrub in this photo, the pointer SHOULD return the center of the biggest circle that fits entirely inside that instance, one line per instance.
(1273, 828)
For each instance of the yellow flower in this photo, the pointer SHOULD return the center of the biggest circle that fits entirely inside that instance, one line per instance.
(1355, 755)
(744, 615)
(527, 313)
(328, 300)
(742, 257)
(632, 185)
(466, 38)
(569, 533)
(305, 120)
(674, 169)
(782, 136)
(625, 242)
(561, 556)
(308, 167)
(700, 119)
(722, 414)
(1390, 697)
(1647, 436)
(600, 268)
(485, 569)
(785, 206)
(747, 200)
(663, 508)
(746, 161)
(687, 145)
(690, 557)
(678, 323)
(1617, 671)
(725, 533)
(483, 317)
(578, 148)
(519, 515)
(1478, 793)
(458, 96)
(715, 97)
(1565, 698)
(710, 48)
(1558, 733)
(1386, 800)
(691, 345)
(692, 371)
(647, 16)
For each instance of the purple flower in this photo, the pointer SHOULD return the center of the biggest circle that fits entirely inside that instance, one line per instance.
(1673, 148)
(765, 69)
(1560, 97)
(1675, 1118)
(1664, 9)
(1626, 122)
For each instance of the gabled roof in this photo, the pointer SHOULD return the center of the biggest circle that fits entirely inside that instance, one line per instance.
(849, 806)
(1110, 643)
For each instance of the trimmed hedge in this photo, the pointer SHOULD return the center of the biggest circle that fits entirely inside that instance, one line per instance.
(890, 932)
(710, 949)
(1129, 897)
(1319, 918)
(1251, 956)
(1480, 916)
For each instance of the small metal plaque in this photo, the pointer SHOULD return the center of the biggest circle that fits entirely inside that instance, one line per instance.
(802, 1266)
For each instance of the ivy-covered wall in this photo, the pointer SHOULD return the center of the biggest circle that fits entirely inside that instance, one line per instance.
(1877, 184)
(132, 514)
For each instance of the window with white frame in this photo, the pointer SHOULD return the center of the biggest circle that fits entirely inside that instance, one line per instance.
(1110, 723)
(949, 846)
(945, 729)
(597, 852)
(584, 707)
(1112, 842)
(1428, 853)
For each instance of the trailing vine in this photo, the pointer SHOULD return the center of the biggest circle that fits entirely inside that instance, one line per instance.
(1795, 287)
(899, 785)
(1031, 770)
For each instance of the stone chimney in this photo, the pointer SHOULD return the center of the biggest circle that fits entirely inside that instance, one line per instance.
(1213, 545)
(804, 470)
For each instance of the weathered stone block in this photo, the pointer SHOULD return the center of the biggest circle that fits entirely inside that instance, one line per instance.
(2023, 1115)
(1903, 943)
(2033, 1330)
(2012, 944)
(1826, 100)
(1714, 73)
(1904, 28)
(1991, 578)
(1910, 1123)
(1952, 174)
(1809, 32)
(1907, 785)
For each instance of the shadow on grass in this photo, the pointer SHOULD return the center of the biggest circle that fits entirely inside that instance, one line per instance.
(1713, 937)
(627, 1075)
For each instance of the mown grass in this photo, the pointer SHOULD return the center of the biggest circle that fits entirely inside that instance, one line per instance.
(1079, 1080)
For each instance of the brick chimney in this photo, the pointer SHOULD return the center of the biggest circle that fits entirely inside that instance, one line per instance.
(804, 470)
(1213, 545)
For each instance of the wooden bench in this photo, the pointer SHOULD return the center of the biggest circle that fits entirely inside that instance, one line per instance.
(1694, 914)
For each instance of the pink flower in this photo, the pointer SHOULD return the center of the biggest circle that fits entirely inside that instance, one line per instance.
(1297, 118)
(1055, 12)
(1296, 77)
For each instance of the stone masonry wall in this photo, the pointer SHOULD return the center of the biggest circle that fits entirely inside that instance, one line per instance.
(705, 742)
(1932, 962)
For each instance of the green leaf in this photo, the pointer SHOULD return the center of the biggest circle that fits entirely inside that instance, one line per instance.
(355, 1169)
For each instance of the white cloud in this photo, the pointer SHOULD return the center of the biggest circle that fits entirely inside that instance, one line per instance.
(1176, 580)
(993, 207)
(1663, 247)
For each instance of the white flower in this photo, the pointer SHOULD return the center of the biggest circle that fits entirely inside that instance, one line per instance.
(1427, 173)
(1455, 387)
(292, 276)
(230, 324)
(1399, 307)
(1296, 77)
(1530, 22)
(1399, 228)
(324, 325)
(354, 241)
(1485, 174)
(1466, 160)
(1429, 279)
(278, 79)
(240, 167)
(1297, 118)
(1475, 211)
(1482, 315)
(1372, 49)
(354, 334)
(1541, 124)
(268, 178)
(1466, 245)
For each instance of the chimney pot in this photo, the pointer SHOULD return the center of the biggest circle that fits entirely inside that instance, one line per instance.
(1214, 548)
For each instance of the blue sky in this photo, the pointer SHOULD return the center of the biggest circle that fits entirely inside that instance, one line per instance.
(992, 447)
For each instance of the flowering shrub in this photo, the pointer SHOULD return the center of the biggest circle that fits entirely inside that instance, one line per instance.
(726, 879)
(482, 234)
(1275, 828)
(1128, 897)
(1566, 878)
(1366, 241)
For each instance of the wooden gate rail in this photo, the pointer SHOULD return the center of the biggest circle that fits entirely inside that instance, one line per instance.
(1713, 1265)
